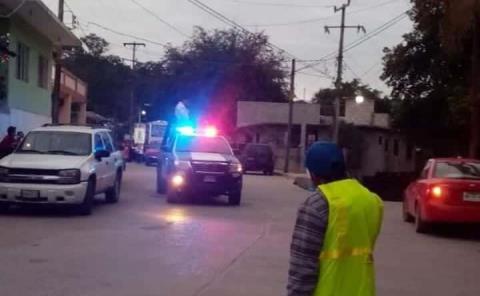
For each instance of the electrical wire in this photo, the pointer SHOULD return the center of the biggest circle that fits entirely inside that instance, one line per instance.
(232, 23)
(363, 39)
(127, 35)
(149, 11)
(279, 4)
(316, 20)
(14, 10)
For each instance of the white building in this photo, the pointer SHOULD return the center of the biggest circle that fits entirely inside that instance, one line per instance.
(379, 148)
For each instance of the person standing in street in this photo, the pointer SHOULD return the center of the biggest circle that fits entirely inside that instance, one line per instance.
(9, 142)
(335, 232)
(181, 117)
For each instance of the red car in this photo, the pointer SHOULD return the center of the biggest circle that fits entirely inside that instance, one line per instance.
(448, 190)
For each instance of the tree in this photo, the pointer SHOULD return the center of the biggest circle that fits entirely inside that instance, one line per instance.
(217, 68)
(429, 83)
(461, 23)
(107, 76)
(351, 89)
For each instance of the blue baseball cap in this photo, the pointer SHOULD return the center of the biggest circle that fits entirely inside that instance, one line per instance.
(325, 159)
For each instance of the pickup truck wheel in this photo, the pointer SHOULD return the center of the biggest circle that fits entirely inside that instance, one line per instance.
(4, 207)
(112, 195)
(85, 208)
(234, 198)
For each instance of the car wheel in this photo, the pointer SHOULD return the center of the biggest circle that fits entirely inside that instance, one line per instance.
(112, 195)
(4, 207)
(85, 208)
(420, 225)
(234, 198)
(407, 217)
(161, 184)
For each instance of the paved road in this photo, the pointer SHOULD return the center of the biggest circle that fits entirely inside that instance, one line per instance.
(144, 247)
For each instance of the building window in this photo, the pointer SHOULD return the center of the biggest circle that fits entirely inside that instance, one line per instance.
(343, 108)
(396, 147)
(380, 140)
(42, 72)
(327, 108)
(387, 145)
(23, 61)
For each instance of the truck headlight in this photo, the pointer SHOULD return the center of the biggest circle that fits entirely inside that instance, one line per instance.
(182, 165)
(69, 176)
(236, 168)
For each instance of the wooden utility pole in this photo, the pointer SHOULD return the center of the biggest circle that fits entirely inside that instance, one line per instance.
(338, 82)
(131, 117)
(58, 70)
(290, 118)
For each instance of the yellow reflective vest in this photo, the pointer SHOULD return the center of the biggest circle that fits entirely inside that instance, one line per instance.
(354, 222)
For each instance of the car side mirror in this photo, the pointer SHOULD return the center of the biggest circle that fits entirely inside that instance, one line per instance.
(99, 154)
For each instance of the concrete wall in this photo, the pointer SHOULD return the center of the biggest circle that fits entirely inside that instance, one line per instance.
(359, 114)
(377, 160)
(258, 113)
(27, 105)
(28, 96)
(24, 121)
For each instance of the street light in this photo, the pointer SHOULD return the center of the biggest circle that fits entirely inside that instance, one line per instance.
(140, 114)
(359, 99)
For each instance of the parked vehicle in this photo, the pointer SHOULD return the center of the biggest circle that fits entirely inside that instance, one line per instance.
(448, 190)
(194, 165)
(258, 157)
(147, 139)
(62, 165)
(151, 155)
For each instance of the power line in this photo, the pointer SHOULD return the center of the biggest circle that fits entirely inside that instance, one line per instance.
(319, 19)
(359, 42)
(149, 11)
(232, 23)
(127, 35)
(279, 4)
(352, 71)
(363, 39)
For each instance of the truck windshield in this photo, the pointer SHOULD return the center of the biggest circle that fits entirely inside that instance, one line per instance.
(202, 144)
(55, 142)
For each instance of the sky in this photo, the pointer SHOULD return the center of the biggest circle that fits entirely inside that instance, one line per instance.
(296, 26)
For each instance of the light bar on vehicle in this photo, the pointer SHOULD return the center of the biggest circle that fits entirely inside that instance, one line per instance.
(209, 131)
(186, 130)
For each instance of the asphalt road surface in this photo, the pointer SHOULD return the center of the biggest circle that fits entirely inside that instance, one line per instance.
(144, 246)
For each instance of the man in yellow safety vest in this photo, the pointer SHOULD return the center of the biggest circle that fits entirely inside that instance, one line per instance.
(335, 233)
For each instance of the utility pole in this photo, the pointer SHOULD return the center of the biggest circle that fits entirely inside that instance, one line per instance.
(134, 46)
(290, 117)
(58, 70)
(338, 82)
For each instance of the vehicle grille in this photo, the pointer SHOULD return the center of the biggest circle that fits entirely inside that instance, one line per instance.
(40, 172)
(31, 176)
(210, 167)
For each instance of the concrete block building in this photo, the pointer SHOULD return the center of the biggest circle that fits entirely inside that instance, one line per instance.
(379, 148)
(30, 34)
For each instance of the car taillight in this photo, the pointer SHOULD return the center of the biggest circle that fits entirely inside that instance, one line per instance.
(437, 192)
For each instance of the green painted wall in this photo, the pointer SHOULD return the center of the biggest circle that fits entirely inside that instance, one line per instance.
(28, 96)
